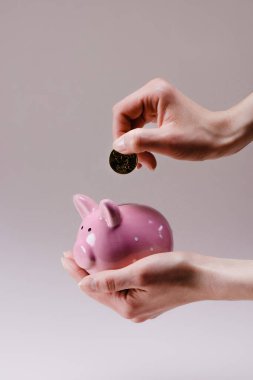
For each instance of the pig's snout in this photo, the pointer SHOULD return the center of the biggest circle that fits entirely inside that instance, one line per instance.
(83, 256)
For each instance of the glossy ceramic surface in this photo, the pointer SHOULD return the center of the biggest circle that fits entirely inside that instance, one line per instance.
(112, 236)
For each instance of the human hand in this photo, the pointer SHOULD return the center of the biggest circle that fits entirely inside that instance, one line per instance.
(163, 281)
(185, 130)
(144, 289)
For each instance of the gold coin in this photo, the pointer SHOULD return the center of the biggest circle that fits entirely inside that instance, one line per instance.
(122, 163)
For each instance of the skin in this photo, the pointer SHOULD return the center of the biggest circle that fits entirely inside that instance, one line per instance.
(158, 283)
(185, 131)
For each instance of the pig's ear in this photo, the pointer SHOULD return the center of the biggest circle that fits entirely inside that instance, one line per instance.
(110, 212)
(84, 204)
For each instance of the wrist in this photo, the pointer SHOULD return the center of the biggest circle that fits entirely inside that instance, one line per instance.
(233, 129)
(241, 119)
(225, 279)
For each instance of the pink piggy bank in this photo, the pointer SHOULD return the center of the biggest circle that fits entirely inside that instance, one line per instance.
(112, 236)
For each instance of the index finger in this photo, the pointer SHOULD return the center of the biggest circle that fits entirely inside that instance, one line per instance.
(73, 269)
(127, 114)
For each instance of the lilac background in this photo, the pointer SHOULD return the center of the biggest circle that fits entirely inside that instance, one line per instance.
(63, 65)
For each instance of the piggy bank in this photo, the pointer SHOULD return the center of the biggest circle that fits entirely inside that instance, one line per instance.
(112, 236)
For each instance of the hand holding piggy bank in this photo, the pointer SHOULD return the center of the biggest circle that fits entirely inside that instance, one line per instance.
(112, 236)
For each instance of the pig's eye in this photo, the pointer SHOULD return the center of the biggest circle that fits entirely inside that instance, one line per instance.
(81, 227)
(89, 229)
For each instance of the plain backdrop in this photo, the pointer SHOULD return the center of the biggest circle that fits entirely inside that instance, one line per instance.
(63, 64)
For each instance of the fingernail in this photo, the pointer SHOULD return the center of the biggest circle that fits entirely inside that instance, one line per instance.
(119, 145)
(88, 283)
(67, 264)
(67, 254)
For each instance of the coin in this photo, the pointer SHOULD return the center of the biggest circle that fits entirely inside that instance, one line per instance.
(122, 163)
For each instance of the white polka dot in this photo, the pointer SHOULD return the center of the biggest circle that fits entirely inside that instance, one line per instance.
(150, 221)
(136, 238)
(160, 227)
(91, 238)
(151, 249)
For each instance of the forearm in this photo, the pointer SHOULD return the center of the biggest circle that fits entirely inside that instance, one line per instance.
(227, 279)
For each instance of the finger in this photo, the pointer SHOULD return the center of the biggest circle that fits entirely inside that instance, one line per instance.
(144, 318)
(73, 269)
(124, 114)
(147, 159)
(104, 298)
(140, 140)
(108, 281)
(155, 316)
(68, 254)
(117, 301)
(114, 300)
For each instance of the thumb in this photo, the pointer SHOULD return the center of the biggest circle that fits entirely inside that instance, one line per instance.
(107, 281)
(139, 140)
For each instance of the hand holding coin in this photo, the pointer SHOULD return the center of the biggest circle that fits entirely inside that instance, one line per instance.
(184, 129)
